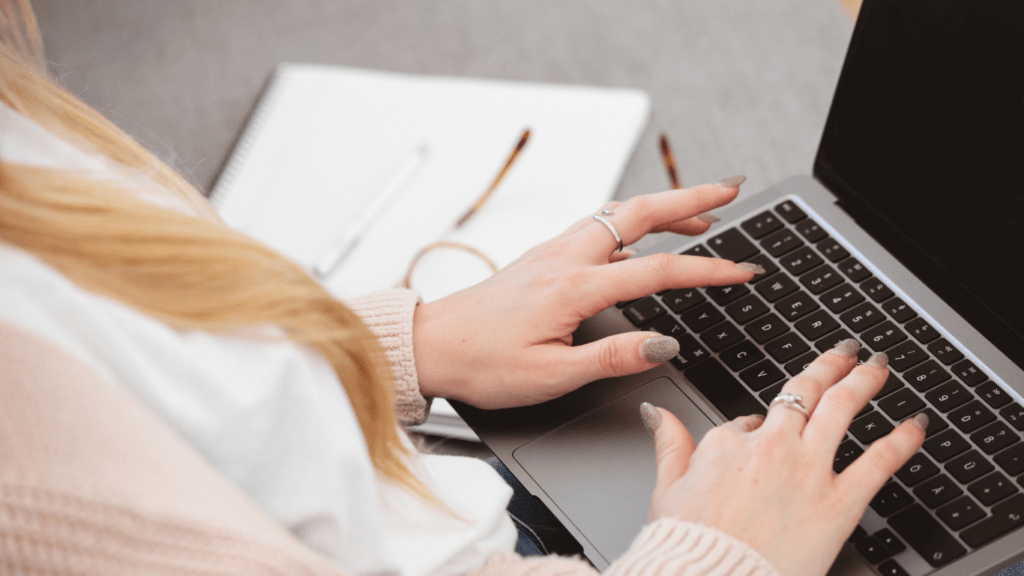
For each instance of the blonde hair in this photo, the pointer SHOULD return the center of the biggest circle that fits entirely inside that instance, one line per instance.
(190, 272)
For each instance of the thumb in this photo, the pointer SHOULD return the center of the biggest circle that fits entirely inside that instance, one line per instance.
(623, 354)
(673, 445)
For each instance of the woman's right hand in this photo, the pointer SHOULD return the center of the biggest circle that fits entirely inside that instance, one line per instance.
(770, 482)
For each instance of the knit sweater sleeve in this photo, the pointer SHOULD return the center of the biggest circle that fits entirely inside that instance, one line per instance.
(389, 314)
(663, 548)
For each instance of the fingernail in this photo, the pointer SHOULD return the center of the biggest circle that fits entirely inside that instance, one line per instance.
(847, 348)
(751, 267)
(731, 181)
(879, 359)
(659, 349)
(708, 218)
(651, 417)
(921, 420)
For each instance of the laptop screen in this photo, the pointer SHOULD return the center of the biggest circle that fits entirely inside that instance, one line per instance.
(924, 145)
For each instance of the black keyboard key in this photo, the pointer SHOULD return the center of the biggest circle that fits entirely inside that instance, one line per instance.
(902, 404)
(767, 327)
(668, 326)
(969, 373)
(918, 469)
(698, 250)
(723, 390)
(832, 249)
(786, 347)
(945, 352)
(893, 544)
(816, 325)
(906, 355)
(790, 211)
(858, 533)
(890, 499)
(762, 375)
(898, 310)
(801, 260)
(937, 490)
(777, 287)
(746, 309)
(854, 270)
(810, 230)
(624, 303)
(725, 294)
(764, 262)
(960, 512)
(781, 242)
(733, 245)
(926, 376)
(1012, 459)
(872, 550)
(993, 395)
(884, 336)
(829, 342)
(796, 306)
(848, 452)
(876, 289)
(921, 330)
(945, 445)
(769, 393)
(800, 363)
(1005, 517)
(992, 488)
(742, 355)
(1013, 414)
(644, 310)
(869, 428)
(690, 352)
(682, 300)
(969, 467)
(820, 279)
(702, 317)
(971, 416)
(947, 396)
(861, 317)
(994, 437)
(762, 224)
(924, 534)
(722, 336)
(891, 568)
(892, 384)
(841, 298)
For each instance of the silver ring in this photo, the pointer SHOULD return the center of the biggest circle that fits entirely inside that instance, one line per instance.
(790, 401)
(609, 226)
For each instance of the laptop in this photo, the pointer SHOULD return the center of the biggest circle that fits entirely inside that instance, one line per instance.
(908, 237)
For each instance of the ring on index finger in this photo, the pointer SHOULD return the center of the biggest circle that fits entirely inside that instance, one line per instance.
(603, 220)
(791, 401)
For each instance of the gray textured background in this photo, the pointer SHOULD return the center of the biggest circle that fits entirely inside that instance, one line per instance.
(739, 86)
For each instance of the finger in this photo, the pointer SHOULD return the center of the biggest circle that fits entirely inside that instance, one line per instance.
(616, 355)
(811, 384)
(638, 277)
(641, 214)
(869, 472)
(620, 256)
(841, 403)
(745, 423)
(673, 445)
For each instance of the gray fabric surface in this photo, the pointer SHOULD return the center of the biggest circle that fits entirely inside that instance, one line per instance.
(739, 86)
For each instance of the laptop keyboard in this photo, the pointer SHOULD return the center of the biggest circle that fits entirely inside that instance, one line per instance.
(739, 344)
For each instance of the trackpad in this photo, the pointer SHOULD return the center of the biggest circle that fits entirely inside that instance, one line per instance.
(599, 468)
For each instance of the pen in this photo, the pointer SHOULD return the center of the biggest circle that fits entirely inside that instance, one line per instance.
(669, 161)
(343, 247)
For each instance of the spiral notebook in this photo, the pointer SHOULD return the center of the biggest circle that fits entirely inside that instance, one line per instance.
(325, 141)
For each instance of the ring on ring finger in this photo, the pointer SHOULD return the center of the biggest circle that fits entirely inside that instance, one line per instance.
(791, 401)
(602, 218)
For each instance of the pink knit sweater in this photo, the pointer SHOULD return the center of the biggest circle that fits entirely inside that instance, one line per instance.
(92, 483)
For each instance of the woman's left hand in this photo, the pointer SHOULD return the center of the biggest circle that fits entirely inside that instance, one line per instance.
(508, 340)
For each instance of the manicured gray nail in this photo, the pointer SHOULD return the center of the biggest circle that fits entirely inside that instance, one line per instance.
(751, 267)
(659, 349)
(651, 417)
(921, 420)
(847, 348)
(879, 359)
(708, 218)
(731, 181)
